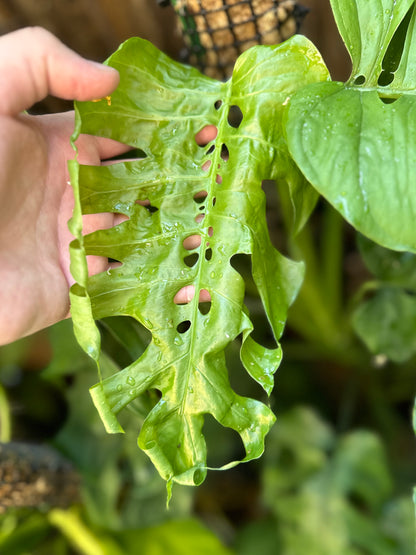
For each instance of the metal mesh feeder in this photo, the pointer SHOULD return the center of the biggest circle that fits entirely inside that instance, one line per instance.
(216, 32)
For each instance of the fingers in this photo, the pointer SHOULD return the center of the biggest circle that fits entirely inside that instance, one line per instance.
(108, 148)
(37, 64)
(187, 293)
(207, 134)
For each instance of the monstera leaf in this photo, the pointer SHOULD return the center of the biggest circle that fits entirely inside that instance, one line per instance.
(190, 208)
(356, 142)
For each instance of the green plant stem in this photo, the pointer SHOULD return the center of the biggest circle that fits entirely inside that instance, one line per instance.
(82, 538)
(5, 420)
(331, 258)
(313, 316)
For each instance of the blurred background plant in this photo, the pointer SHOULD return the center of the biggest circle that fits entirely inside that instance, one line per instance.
(339, 466)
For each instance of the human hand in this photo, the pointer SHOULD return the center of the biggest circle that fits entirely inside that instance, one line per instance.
(36, 198)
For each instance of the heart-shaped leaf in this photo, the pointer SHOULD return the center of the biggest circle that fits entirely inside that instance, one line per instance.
(356, 142)
(190, 210)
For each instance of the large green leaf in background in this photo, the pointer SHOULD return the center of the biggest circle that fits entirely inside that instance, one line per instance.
(356, 142)
(159, 107)
(328, 493)
(386, 321)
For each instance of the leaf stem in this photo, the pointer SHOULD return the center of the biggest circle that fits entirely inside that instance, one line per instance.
(316, 313)
(5, 420)
(331, 258)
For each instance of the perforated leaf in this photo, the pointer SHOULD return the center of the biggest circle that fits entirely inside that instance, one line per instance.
(356, 142)
(159, 107)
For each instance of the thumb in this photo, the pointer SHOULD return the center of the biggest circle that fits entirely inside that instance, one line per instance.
(35, 64)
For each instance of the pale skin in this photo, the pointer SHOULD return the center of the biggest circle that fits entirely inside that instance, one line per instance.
(36, 198)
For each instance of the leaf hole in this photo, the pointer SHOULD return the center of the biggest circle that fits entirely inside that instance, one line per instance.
(202, 207)
(207, 134)
(206, 165)
(208, 254)
(262, 332)
(146, 204)
(386, 78)
(204, 302)
(199, 218)
(241, 382)
(191, 242)
(210, 231)
(214, 200)
(225, 153)
(204, 296)
(360, 80)
(200, 196)
(388, 99)
(113, 263)
(131, 154)
(125, 337)
(191, 259)
(235, 116)
(278, 208)
(394, 52)
(210, 150)
(223, 443)
(184, 295)
(119, 219)
(184, 326)
(204, 307)
(98, 264)
(218, 179)
(218, 104)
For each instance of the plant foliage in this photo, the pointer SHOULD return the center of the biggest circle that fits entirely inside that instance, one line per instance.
(386, 321)
(190, 209)
(355, 142)
(328, 494)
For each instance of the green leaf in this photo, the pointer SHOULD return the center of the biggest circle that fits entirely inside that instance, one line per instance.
(367, 27)
(175, 537)
(391, 267)
(329, 494)
(24, 534)
(68, 357)
(387, 324)
(159, 107)
(356, 142)
(83, 539)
